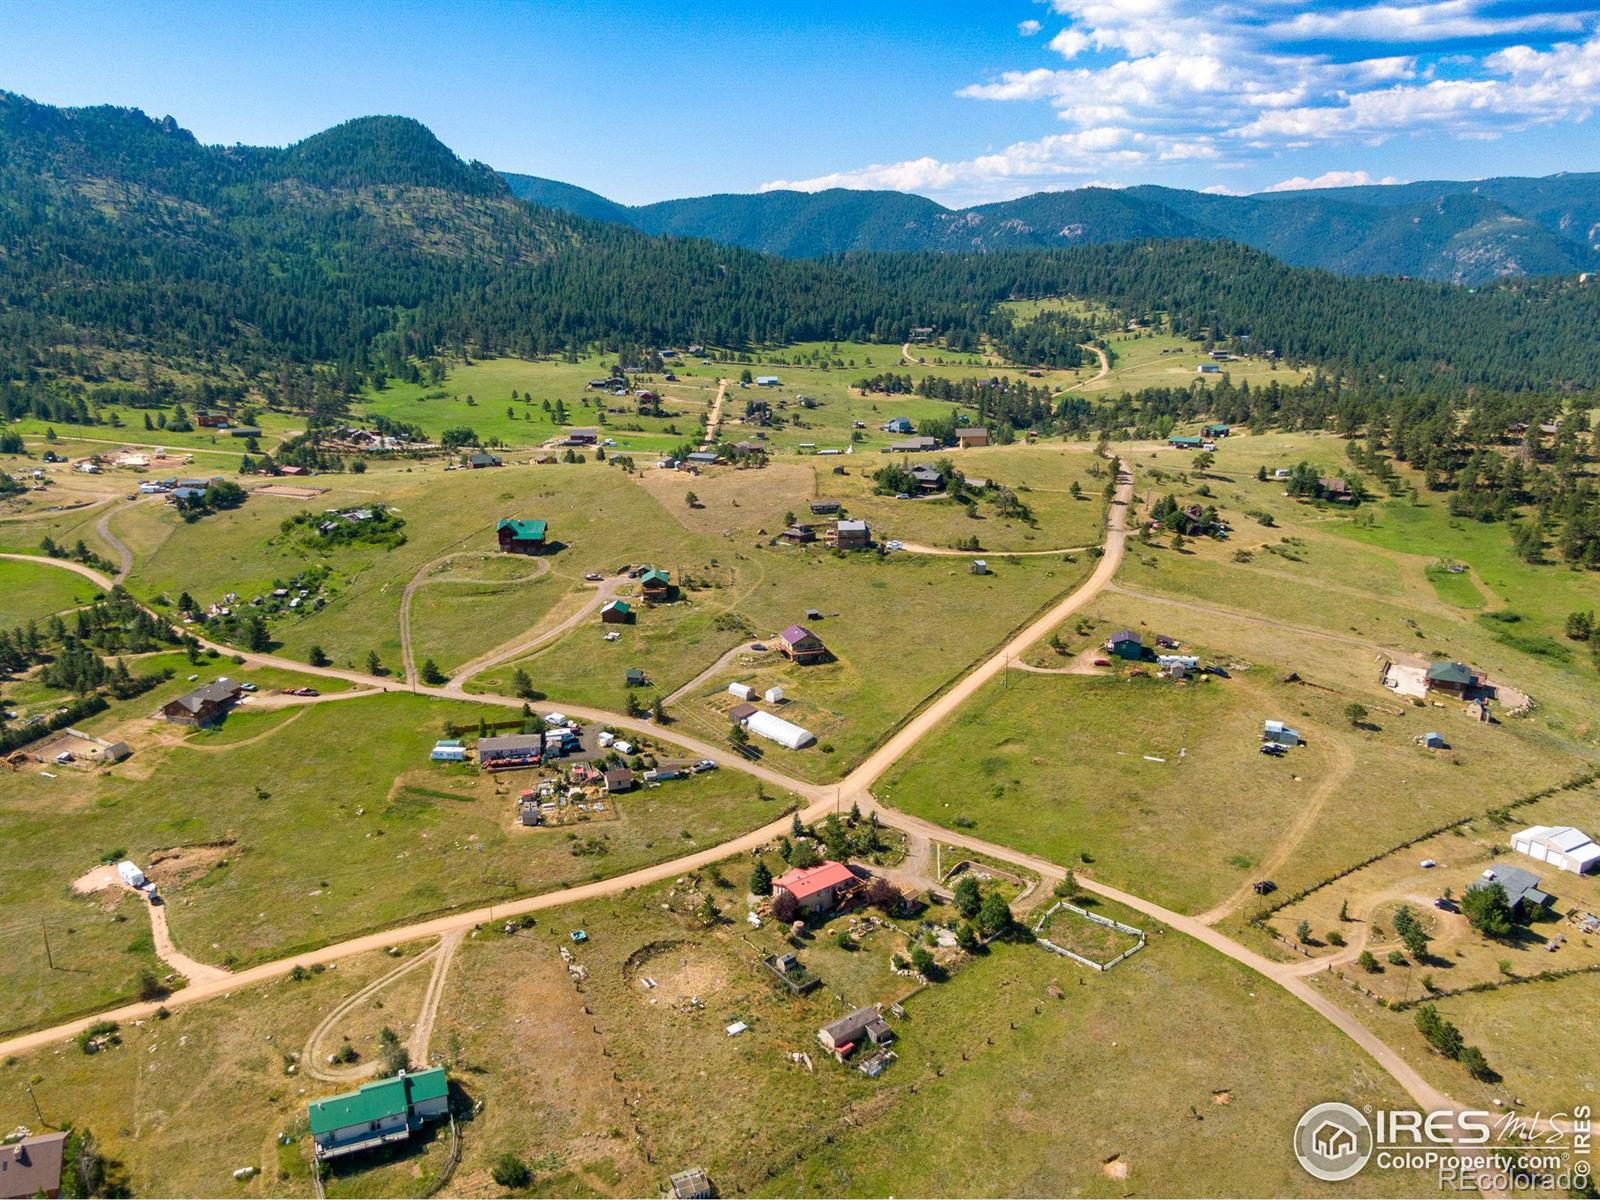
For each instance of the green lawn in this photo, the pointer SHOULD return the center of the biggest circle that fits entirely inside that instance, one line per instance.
(31, 593)
(478, 396)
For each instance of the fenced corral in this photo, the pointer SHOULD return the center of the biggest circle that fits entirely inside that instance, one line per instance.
(1095, 918)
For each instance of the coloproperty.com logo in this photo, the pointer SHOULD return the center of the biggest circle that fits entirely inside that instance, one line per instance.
(1468, 1150)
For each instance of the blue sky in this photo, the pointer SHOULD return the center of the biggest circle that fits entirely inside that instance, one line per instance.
(966, 102)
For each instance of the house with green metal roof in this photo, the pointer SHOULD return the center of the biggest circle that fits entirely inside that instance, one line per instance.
(377, 1113)
(656, 585)
(521, 537)
(1453, 678)
(616, 612)
(1180, 442)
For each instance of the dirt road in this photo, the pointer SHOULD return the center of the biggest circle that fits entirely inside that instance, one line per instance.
(859, 781)
(195, 972)
(1105, 367)
(1288, 976)
(66, 564)
(421, 579)
(943, 552)
(714, 421)
(118, 546)
(723, 662)
(603, 591)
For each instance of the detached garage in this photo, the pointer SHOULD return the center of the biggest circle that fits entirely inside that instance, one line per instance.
(776, 729)
(1561, 846)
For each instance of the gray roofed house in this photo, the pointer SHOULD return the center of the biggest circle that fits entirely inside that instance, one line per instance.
(205, 705)
(511, 748)
(847, 1032)
(852, 535)
(32, 1166)
(1125, 643)
(913, 445)
(1521, 888)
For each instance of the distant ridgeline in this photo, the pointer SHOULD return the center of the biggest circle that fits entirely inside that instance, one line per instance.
(370, 248)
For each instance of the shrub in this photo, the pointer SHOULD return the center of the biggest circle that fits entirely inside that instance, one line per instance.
(510, 1172)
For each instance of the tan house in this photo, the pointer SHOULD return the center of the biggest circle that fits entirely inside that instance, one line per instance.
(976, 436)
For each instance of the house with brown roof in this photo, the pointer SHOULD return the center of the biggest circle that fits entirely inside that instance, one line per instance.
(32, 1166)
(799, 535)
(801, 646)
(618, 779)
(975, 436)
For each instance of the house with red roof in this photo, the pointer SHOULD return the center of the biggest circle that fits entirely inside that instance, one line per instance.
(816, 889)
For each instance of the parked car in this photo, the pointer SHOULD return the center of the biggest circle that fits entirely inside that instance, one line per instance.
(1264, 887)
(1102, 662)
(1446, 904)
(247, 687)
(1428, 864)
(594, 577)
(1274, 749)
(706, 764)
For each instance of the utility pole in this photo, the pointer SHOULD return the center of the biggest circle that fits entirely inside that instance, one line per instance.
(48, 957)
(37, 1111)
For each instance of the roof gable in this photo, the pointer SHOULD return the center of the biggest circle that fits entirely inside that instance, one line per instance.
(801, 882)
(523, 530)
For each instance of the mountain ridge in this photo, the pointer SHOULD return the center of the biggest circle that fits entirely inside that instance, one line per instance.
(1455, 231)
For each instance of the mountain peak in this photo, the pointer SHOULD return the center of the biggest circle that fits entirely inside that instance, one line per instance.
(385, 150)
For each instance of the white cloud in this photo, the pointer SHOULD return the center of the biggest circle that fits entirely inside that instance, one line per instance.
(1017, 169)
(1069, 43)
(1450, 19)
(1329, 179)
(1029, 27)
(1140, 83)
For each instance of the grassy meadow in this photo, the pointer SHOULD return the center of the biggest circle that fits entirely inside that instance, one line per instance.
(324, 823)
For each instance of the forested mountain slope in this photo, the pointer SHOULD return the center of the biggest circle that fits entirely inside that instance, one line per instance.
(371, 244)
(1461, 232)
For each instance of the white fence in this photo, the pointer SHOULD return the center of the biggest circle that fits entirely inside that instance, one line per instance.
(1098, 920)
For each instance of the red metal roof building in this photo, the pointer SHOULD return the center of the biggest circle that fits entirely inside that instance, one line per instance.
(818, 888)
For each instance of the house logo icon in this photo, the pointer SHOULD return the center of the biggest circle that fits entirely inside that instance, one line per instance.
(1333, 1141)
